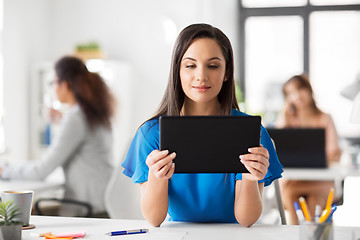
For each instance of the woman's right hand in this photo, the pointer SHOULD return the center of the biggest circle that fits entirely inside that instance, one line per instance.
(54, 115)
(161, 164)
(154, 192)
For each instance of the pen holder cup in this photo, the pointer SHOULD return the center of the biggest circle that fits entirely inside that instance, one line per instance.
(316, 231)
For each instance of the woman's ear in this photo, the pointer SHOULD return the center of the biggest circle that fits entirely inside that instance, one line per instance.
(64, 87)
(226, 77)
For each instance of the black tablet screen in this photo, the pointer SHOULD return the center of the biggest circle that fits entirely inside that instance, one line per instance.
(209, 144)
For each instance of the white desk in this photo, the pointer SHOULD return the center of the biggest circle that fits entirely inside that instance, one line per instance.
(38, 187)
(96, 229)
(322, 174)
(54, 182)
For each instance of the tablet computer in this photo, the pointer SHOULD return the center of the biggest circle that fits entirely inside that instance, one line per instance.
(209, 144)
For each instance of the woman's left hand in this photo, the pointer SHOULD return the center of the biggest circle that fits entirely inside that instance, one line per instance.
(256, 162)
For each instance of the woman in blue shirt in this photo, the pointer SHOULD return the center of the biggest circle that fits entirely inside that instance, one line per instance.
(201, 82)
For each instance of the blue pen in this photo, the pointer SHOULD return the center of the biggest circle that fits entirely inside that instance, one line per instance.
(333, 209)
(298, 211)
(127, 232)
(317, 212)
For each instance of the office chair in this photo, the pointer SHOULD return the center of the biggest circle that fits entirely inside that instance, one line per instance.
(122, 197)
(273, 210)
(272, 200)
(279, 202)
(62, 207)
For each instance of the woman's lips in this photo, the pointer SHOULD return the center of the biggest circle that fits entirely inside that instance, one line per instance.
(201, 88)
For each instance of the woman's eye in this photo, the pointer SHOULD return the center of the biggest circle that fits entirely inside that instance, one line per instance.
(190, 66)
(213, 66)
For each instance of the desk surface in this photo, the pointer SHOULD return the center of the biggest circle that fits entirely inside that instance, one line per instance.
(53, 182)
(321, 174)
(36, 186)
(96, 229)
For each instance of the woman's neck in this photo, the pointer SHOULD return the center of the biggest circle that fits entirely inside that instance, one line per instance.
(71, 101)
(198, 109)
(306, 113)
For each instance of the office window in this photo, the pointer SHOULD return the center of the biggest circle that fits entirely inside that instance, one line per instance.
(335, 61)
(273, 3)
(274, 51)
(334, 2)
(279, 39)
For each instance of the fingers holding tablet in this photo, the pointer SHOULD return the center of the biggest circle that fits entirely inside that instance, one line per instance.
(256, 162)
(161, 164)
(260, 150)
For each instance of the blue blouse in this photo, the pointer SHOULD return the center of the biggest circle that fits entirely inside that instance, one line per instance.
(203, 197)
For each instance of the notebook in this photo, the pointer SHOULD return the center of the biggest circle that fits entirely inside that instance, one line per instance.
(209, 144)
(300, 147)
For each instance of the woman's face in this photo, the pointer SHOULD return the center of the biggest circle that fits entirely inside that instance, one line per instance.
(61, 90)
(298, 96)
(202, 71)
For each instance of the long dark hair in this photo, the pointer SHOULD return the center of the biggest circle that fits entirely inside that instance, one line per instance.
(303, 82)
(174, 95)
(89, 89)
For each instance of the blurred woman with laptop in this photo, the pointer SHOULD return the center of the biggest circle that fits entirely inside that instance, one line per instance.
(83, 143)
(300, 111)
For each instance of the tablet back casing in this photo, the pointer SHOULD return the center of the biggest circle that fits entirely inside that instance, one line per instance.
(209, 144)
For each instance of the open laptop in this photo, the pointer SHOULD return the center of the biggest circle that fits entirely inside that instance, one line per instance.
(209, 144)
(300, 147)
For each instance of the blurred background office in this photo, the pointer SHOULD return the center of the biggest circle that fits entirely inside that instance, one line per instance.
(139, 34)
(272, 41)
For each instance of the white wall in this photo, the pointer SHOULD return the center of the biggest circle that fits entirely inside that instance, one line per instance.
(25, 41)
(131, 31)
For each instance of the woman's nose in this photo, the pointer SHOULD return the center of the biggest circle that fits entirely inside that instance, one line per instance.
(201, 74)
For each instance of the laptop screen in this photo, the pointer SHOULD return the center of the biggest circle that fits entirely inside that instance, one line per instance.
(300, 147)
